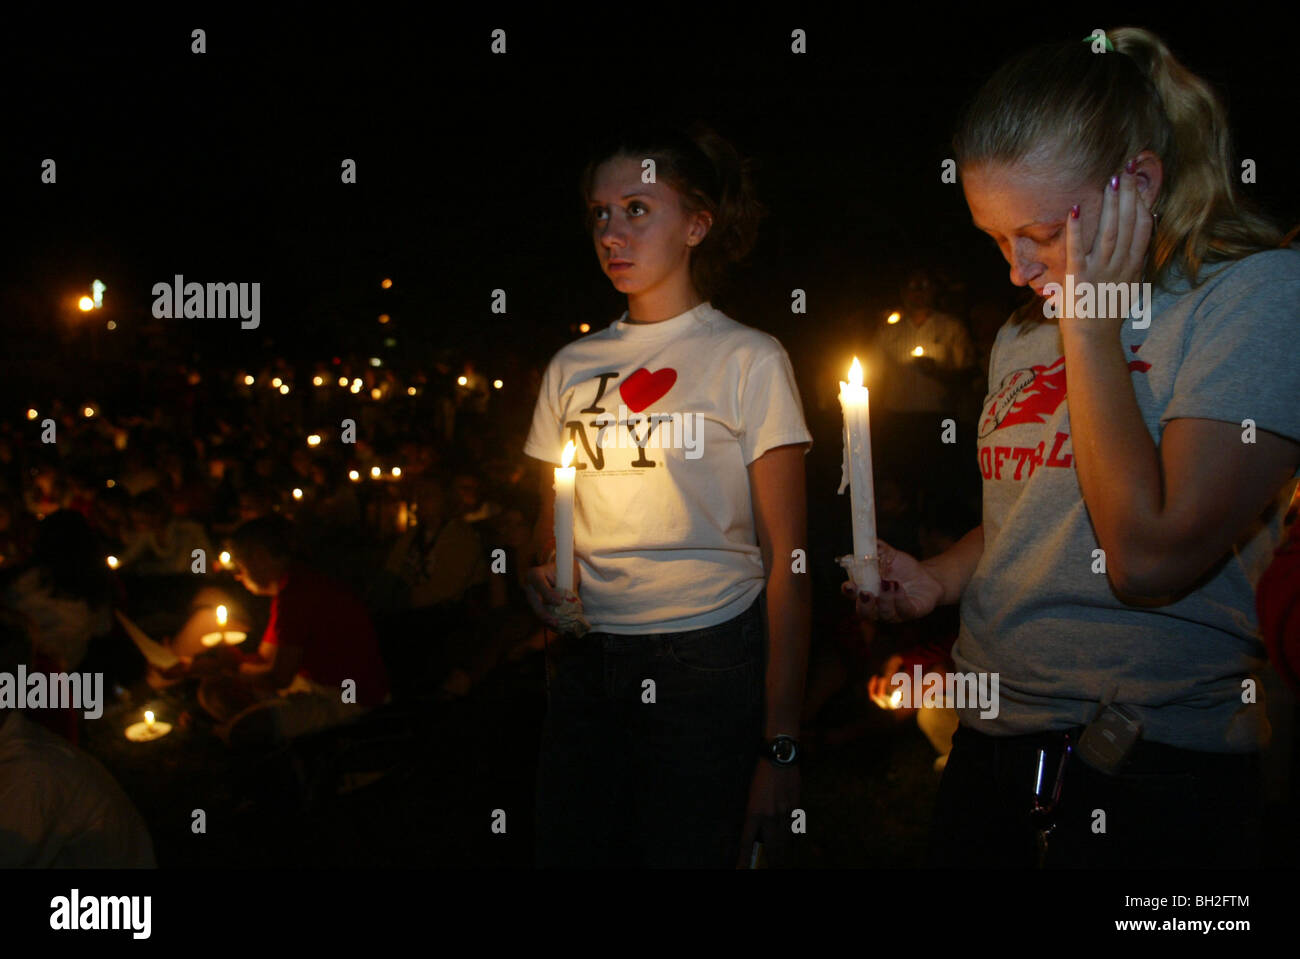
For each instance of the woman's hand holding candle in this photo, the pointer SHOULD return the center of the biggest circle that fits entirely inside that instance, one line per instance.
(543, 596)
(908, 590)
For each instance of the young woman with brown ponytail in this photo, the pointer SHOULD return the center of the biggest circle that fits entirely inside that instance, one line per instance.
(671, 737)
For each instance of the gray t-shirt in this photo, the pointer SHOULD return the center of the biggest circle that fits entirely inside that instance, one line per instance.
(1035, 612)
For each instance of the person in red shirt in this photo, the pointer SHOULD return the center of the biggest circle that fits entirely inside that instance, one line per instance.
(318, 663)
(1277, 601)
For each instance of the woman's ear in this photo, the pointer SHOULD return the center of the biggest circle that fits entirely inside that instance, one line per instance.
(1150, 173)
(700, 226)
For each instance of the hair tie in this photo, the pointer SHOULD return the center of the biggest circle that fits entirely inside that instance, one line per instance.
(1092, 38)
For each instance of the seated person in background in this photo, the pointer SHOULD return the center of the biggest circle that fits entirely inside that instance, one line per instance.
(17, 531)
(65, 590)
(59, 808)
(159, 544)
(509, 625)
(469, 502)
(440, 558)
(318, 664)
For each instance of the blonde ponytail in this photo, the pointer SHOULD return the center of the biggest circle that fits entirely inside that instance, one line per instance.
(1203, 217)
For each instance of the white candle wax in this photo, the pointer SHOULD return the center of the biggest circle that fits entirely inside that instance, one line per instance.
(854, 402)
(565, 481)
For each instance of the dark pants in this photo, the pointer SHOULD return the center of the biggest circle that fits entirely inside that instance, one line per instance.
(1167, 808)
(626, 781)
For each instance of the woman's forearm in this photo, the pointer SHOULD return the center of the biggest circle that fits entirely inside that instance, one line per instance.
(789, 622)
(954, 567)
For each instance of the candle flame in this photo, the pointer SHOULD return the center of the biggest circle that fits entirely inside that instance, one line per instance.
(221, 615)
(855, 373)
(567, 458)
(894, 318)
(918, 351)
(148, 716)
(895, 699)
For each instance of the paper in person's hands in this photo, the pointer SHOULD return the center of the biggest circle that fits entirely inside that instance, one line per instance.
(158, 655)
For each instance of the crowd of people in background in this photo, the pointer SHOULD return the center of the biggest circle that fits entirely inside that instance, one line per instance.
(409, 495)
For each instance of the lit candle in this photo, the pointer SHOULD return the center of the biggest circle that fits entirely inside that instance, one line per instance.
(232, 637)
(565, 478)
(148, 730)
(863, 565)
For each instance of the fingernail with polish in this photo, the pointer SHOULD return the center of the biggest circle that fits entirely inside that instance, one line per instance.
(1131, 166)
(1114, 183)
(1074, 212)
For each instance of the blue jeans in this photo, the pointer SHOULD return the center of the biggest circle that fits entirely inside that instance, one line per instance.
(633, 773)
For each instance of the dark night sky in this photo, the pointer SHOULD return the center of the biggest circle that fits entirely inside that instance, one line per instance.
(226, 166)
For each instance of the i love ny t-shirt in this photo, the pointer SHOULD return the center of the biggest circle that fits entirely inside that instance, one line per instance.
(665, 419)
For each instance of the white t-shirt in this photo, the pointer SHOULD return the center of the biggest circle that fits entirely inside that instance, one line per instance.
(665, 536)
(60, 809)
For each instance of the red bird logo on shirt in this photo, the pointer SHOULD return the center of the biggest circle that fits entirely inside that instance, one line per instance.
(1026, 396)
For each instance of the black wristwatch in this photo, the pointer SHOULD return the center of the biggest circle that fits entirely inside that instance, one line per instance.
(781, 750)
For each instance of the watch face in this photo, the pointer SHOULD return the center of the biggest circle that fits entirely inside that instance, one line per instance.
(783, 751)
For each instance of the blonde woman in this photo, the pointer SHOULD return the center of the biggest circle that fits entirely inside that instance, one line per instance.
(1125, 525)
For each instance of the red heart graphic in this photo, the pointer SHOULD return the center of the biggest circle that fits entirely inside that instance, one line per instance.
(643, 387)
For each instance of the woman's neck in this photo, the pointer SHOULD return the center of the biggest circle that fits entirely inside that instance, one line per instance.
(655, 306)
